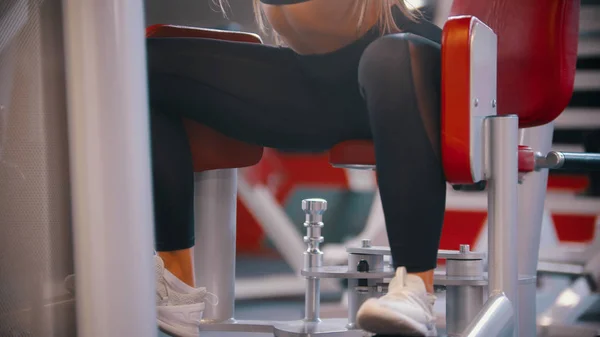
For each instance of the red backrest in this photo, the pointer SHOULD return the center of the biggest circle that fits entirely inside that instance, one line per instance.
(537, 52)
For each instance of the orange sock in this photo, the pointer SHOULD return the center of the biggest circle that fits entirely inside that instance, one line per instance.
(180, 264)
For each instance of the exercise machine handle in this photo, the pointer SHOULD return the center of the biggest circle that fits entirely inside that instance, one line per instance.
(569, 161)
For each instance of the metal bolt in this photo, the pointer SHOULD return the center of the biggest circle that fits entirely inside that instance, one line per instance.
(476, 102)
(314, 206)
(465, 248)
(366, 243)
(493, 103)
(314, 209)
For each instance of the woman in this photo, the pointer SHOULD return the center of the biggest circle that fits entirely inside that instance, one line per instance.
(351, 69)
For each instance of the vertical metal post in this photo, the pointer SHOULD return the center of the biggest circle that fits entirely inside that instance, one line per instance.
(359, 291)
(532, 194)
(215, 201)
(463, 302)
(110, 167)
(313, 256)
(502, 173)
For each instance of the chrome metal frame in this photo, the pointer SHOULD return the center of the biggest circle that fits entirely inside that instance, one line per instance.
(110, 167)
(531, 196)
(501, 136)
(215, 201)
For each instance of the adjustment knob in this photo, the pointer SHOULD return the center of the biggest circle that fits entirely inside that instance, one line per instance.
(314, 206)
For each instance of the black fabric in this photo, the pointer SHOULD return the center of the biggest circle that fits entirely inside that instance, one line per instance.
(376, 88)
(282, 2)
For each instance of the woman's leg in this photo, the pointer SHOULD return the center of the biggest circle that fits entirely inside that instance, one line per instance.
(253, 93)
(173, 183)
(399, 76)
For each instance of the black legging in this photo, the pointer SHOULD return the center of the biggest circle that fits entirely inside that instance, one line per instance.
(381, 88)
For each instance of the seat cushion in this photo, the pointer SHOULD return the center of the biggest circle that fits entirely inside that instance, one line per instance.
(353, 154)
(212, 150)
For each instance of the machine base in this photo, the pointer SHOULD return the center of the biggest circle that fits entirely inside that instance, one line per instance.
(327, 327)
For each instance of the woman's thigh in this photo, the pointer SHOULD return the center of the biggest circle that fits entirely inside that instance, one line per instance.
(255, 93)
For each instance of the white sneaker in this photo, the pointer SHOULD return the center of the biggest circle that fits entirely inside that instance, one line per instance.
(179, 306)
(406, 309)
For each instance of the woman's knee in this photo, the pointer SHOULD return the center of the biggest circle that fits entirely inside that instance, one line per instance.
(388, 60)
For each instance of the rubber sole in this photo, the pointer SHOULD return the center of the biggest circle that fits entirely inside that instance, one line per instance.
(174, 331)
(379, 319)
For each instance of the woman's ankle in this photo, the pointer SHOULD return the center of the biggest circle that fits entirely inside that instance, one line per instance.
(427, 277)
(179, 263)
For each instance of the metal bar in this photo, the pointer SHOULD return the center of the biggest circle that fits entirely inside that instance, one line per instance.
(531, 196)
(110, 167)
(570, 161)
(463, 302)
(313, 256)
(496, 319)
(215, 195)
(312, 305)
(502, 160)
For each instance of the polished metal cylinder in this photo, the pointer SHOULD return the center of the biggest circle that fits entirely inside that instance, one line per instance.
(496, 318)
(502, 175)
(313, 256)
(531, 209)
(312, 304)
(214, 252)
(463, 303)
(464, 268)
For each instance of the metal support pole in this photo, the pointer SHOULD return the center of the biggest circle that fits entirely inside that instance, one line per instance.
(496, 319)
(463, 302)
(110, 167)
(313, 256)
(502, 173)
(215, 201)
(532, 194)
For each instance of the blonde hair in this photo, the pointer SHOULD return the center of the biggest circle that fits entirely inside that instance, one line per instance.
(386, 21)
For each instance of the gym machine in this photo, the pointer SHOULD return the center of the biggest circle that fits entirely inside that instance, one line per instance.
(110, 189)
(479, 144)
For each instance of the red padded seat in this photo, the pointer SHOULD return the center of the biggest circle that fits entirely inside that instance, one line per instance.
(353, 153)
(212, 150)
